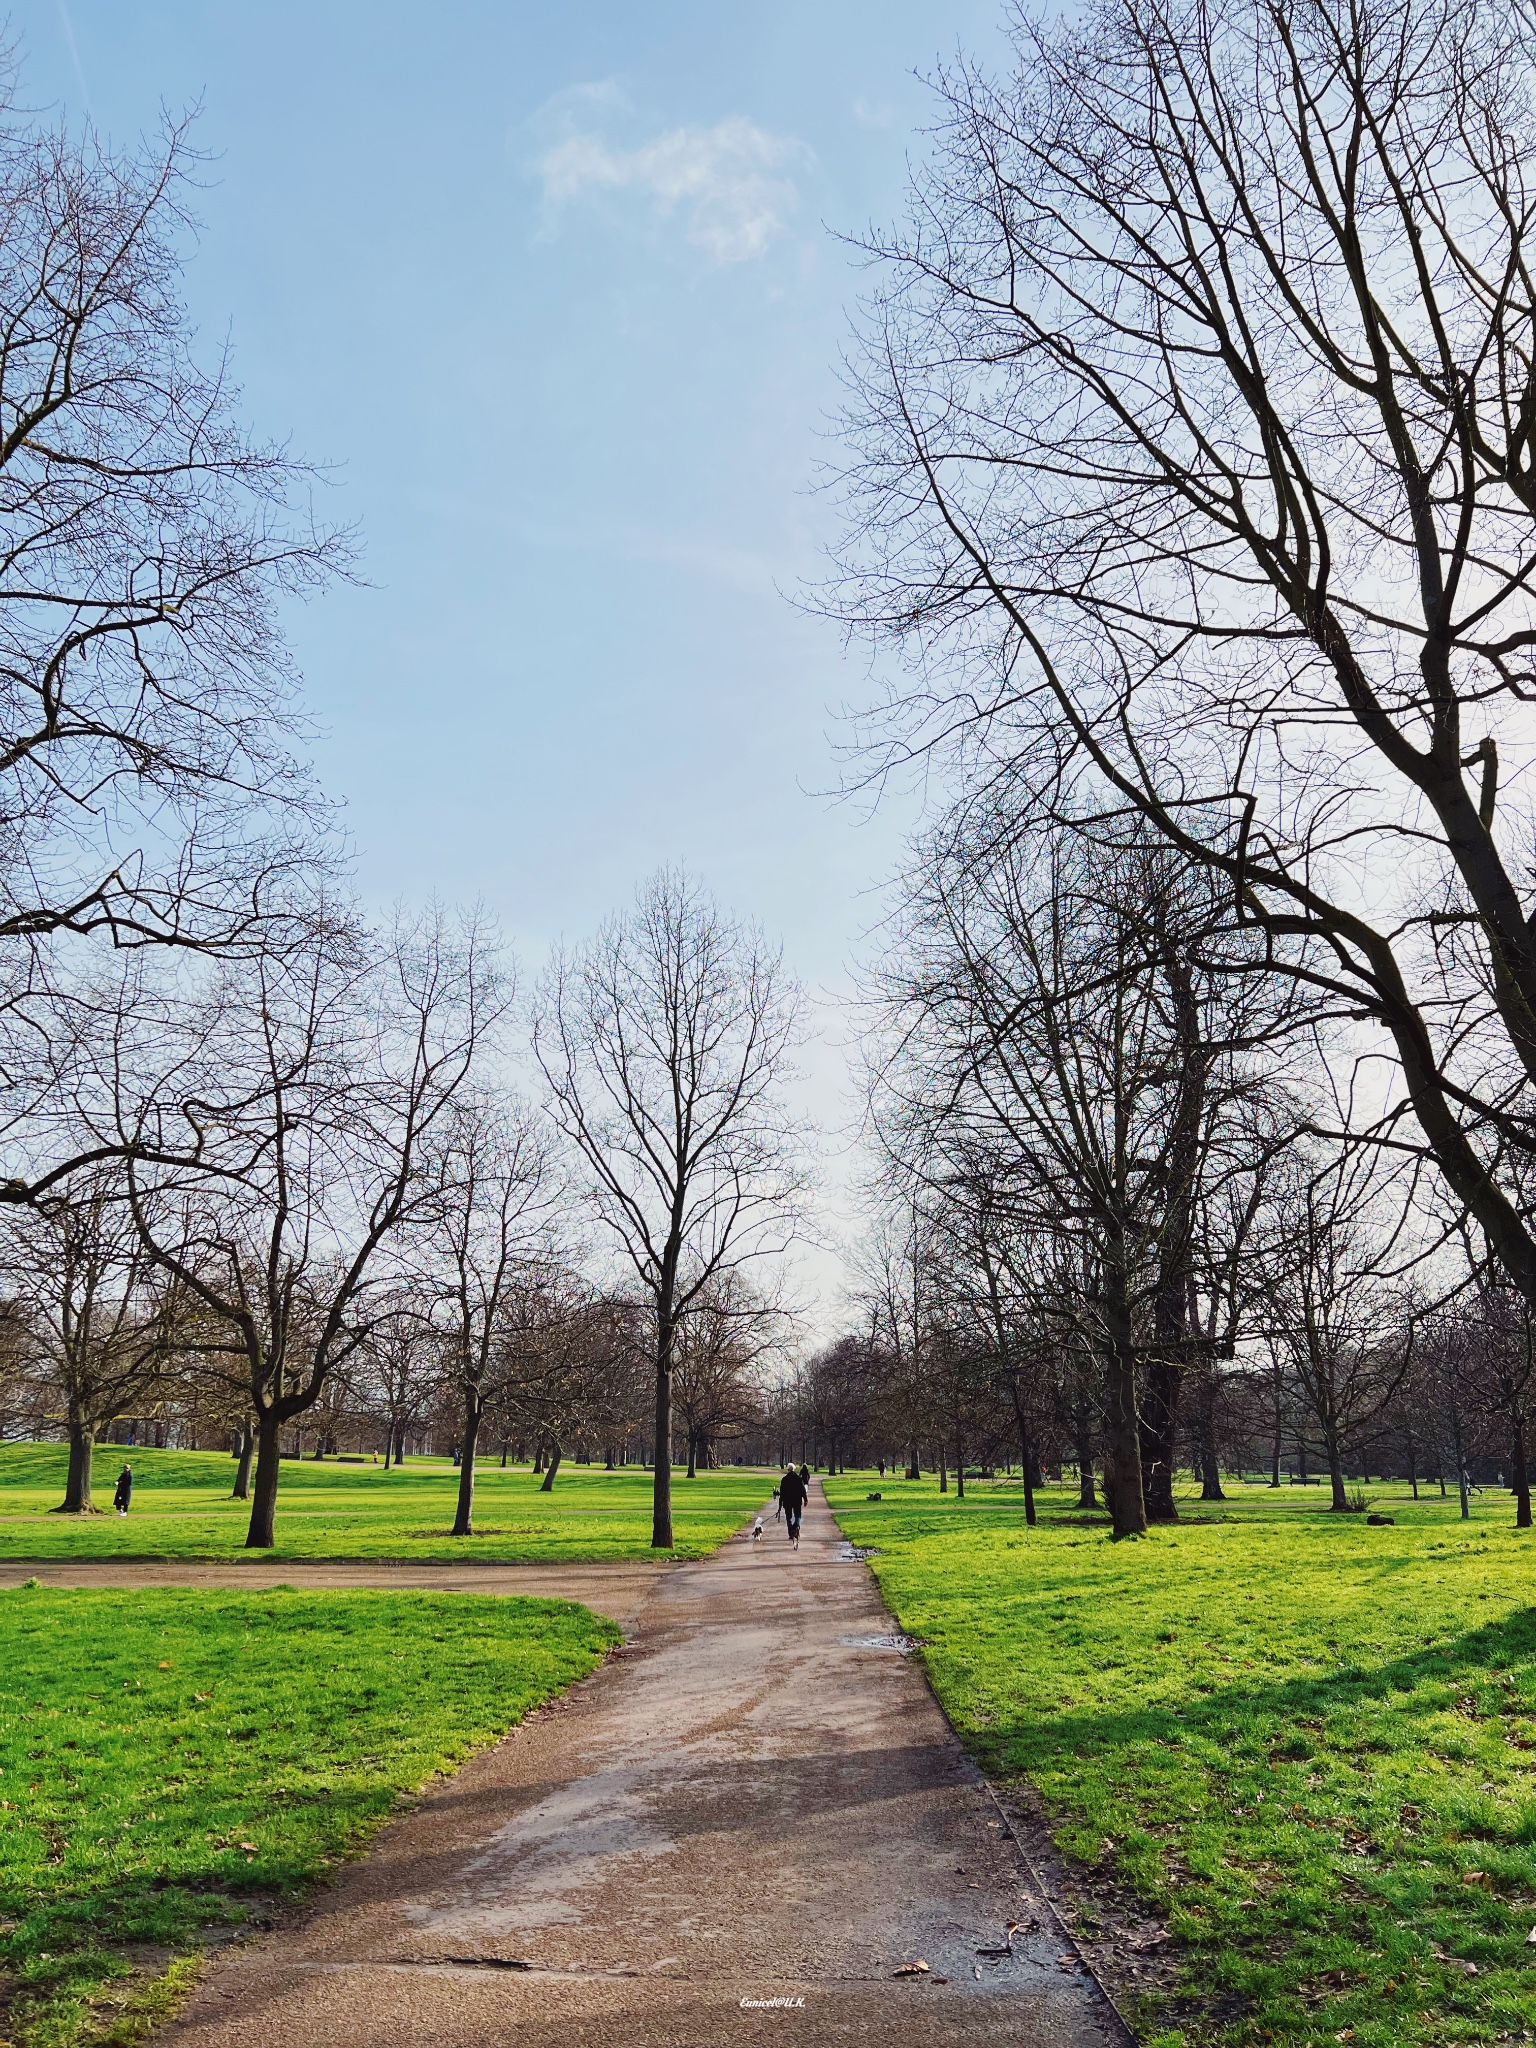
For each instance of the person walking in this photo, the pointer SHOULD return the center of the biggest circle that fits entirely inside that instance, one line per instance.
(792, 1498)
(124, 1493)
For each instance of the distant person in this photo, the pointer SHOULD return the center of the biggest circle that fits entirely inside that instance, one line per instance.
(124, 1493)
(792, 1495)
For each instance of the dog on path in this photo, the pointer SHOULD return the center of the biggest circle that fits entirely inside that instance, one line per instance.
(757, 1530)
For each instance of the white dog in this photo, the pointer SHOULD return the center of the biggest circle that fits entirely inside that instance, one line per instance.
(757, 1530)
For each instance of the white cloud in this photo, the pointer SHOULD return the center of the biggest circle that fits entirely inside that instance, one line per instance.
(728, 182)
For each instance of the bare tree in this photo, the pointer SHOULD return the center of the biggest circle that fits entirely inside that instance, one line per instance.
(566, 1352)
(102, 1316)
(282, 1149)
(666, 1045)
(148, 795)
(723, 1341)
(1063, 1054)
(1195, 466)
(1348, 1330)
(489, 1232)
(399, 1369)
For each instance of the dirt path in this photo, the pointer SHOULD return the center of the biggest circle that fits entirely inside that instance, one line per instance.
(735, 1833)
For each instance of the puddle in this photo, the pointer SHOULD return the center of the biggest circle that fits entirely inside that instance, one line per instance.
(854, 1553)
(903, 1643)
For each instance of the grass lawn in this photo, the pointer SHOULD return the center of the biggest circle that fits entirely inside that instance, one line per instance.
(1309, 1744)
(181, 1508)
(167, 1757)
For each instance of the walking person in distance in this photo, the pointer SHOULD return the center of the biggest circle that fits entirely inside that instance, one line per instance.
(124, 1493)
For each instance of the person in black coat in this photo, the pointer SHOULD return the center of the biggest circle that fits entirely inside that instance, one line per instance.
(124, 1493)
(792, 1497)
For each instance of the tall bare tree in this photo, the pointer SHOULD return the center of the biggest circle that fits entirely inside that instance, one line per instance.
(148, 792)
(1064, 1057)
(279, 1154)
(1195, 467)
(666, 1045)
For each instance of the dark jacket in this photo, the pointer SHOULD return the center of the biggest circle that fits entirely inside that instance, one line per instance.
(124, 1493)
(792, 1491)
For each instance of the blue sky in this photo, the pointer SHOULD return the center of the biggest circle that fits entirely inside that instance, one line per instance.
(553, 289)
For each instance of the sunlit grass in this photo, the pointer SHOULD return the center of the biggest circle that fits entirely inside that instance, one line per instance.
(181, 1509)
(166, 1756)
(1310, 1744)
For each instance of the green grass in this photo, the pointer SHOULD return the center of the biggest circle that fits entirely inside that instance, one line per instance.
(181, 1508)
(1309, 1744)
(168, 1757)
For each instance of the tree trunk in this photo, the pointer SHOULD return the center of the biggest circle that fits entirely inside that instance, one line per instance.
(1340, 1502)
(1520, 1474)
(247, 1453)
(77, 1486)
(943, 1471)
(1026, 1454)
(661, 1489)
(1461, 1463)
(693, 1454)
(1122, 1448)
(464, 1515)
(553, 1468)
(1122, 1433)
(1159, 1422)
(262, 1533)
(1082, 1433)
(1205, 1429)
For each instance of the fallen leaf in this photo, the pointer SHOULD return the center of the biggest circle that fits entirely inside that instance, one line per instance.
(165, 1667)
(918, 1969)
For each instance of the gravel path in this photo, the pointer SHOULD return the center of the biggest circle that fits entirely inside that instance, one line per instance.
(737, 1832)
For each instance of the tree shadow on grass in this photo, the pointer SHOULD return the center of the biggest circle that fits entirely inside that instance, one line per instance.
(1028, 1741)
